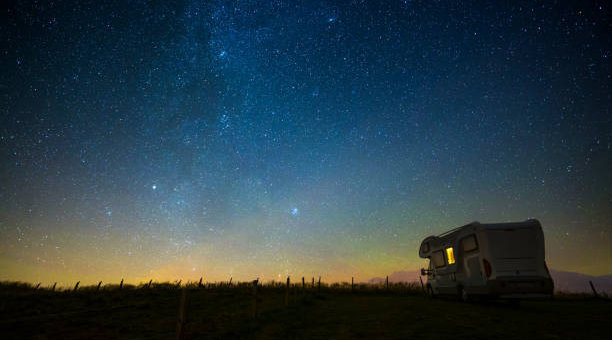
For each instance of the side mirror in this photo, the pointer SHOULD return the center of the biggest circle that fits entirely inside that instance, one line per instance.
(426, 271)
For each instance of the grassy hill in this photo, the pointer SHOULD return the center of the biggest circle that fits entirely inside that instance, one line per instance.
(222, 312)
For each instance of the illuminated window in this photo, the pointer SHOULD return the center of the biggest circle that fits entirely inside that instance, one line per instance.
(450, 255)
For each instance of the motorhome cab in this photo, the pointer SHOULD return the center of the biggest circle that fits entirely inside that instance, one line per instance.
(501, 260)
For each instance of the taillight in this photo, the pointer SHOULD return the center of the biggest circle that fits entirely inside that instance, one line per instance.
(487, 267)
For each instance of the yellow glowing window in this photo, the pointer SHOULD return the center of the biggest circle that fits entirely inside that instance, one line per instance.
(450, 255)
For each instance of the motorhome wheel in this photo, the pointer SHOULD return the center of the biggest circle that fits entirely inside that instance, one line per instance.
(464, 295)
(430, 292)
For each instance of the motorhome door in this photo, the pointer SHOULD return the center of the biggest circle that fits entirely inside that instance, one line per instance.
(471, 260)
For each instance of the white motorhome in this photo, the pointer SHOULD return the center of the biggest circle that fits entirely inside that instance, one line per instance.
(500, 260)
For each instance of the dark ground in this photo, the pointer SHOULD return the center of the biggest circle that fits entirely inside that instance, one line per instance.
(222, 313)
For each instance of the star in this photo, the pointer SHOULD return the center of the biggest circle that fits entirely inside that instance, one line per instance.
(381, 123)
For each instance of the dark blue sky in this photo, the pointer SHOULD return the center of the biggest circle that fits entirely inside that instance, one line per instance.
(259, 138)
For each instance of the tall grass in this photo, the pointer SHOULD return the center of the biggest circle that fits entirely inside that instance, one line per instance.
(279, 286)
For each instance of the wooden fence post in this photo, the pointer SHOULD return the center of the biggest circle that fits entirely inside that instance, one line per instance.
(254, 310)
(593, 288)
(422, 286)
(121, 284)
(287, 293)
(76, 286)
(53, 288)
(182, 314)
(99, 284)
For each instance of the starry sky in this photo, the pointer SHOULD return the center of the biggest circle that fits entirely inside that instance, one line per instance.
(178, 139)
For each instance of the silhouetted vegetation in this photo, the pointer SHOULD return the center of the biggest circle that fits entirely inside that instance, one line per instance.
(339, 310)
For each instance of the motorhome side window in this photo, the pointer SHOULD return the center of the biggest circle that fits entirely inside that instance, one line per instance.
(450, 255)
(437, 257)
(469, 244)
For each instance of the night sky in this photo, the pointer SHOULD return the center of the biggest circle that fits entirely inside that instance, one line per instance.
(263, 139)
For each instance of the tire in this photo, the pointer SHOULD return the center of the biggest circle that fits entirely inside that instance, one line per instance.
(463, 295)
(430, 292)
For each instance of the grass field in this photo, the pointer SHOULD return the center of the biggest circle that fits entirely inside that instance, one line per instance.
(221, 312)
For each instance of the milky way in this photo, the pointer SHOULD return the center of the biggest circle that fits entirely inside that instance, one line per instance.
(269, 138)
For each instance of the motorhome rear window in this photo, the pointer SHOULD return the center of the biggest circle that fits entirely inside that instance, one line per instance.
(513, 243)
(437, 257)
(469, 243)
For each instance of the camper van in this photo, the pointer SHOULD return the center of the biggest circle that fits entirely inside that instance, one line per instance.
(498, 260)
